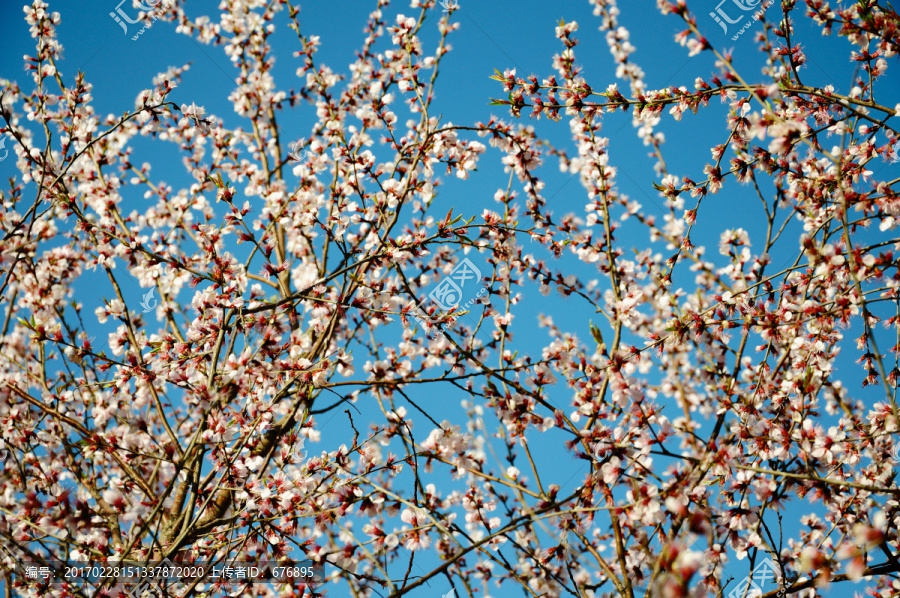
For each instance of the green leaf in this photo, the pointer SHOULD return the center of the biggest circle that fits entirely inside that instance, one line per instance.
(216, 181)
(598, 336)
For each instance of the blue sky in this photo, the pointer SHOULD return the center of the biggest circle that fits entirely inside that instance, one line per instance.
(493, 35)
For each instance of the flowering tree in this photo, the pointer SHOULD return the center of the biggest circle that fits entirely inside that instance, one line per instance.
(282, 285)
